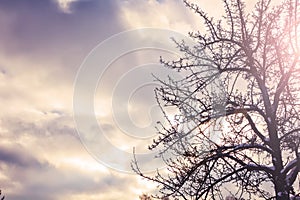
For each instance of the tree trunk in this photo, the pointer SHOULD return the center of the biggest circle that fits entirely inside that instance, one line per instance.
(281, 189)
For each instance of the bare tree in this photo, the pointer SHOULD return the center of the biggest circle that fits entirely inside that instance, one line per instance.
(148, 197)
(237, 129)
(145, 197)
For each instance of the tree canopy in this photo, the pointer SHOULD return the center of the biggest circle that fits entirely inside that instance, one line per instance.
(237, 128)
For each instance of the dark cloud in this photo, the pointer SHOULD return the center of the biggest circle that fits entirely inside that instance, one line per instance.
(40, 31)
(18, 157)
(56, 125)
(67, 185)
(35, 23)
(30, 176)
(40, 179)
(47, 182)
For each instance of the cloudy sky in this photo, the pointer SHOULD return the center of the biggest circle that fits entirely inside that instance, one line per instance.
(44, 46)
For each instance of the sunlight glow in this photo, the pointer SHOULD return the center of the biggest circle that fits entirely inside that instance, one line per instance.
(85, 165)
(64, 5)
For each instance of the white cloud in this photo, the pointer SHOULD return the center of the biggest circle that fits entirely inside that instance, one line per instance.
(168, 14)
